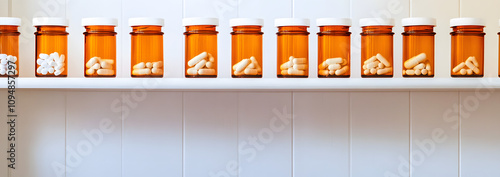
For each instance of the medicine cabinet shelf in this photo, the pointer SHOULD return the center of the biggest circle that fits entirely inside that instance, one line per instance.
(256, 84)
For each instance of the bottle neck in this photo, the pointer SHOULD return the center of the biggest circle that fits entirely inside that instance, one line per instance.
(4, 29)
(479, 29)
(419, 30)
(206, 29)
(247, 30)
(334, 30)
(377, 30)
(53, 30)
(146, 30)
(100, 30)
(293, 30)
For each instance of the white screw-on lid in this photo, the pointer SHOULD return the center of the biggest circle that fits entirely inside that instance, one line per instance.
(10, 21)
(50, 21)
(246, 22)
(376, 22)
(419, 21)
(200, 21)
(291, 22)
(467, 22)
(333, 22)
(146, 22)
(99, 22)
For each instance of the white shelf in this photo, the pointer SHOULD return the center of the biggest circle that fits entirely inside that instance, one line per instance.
(256, 84)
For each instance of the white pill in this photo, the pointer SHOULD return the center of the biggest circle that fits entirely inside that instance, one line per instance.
(238, 73)
(425, 71)
(192, 71)
(384, 71)
(364, 67)
(372, 65)
(51, 70)
(105, 72)
(458, 67)
(418, 72)
(414, 61)
(284, 72)
(59, 66)
(90, 71)
(45, 64)
(251, 66)
(381, 66)
(13, 59)
(158, 64)
(334, 67)
(210, 65)
(62, 58)
(342, 71)
(291, 58)
(45, 71)
(240, 66)
(323, 72)
(332, 61)
(249, 71)
(473, 61)
(419, 66)
(91, 62)
(300, 66)
(299, 61)
(410, 72)
(57, 73)
(383, 60)
(3, 71)
(428, 66)
(141, 72)
(38, 70)
(43, 56)
(286, 65)
(39, 61)
(52, 63)
(105, 65)
(200, 64)
(463, 71)
(331, 72)
(256, 63)
(3, 66)
(3, 61)
(206, 72)
(469, 71)
(157, 71)
(372, 59)
(140, 65)
(323, 66)
(211, 58)
(373, 71)
(469, 64)
(292, 71)
(110, 61)
(149, 65)
(96, 66)
(197, 59)
(366, 72)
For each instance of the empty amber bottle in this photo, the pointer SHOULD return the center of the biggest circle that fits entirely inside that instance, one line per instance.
(334, 47)
(418, 47)
(293, 47)
(51, 47)
(246, 47)
(377, 47)
(147, 47)
(467, 47)
(100, 47)
(201, 47)
(9, 46)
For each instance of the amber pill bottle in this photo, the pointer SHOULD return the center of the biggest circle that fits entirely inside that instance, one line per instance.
(467, 47)
(100, 47)
(246, 47)
(418, 47)
(9, 46)
(146, 47)
(51, 41)
(293, 47)
(201, 47)
(377, 47)
(334, 47)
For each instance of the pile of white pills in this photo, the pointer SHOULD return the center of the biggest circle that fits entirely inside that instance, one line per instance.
(4, 64)
(472, 67)
(202, 64)
(101, 67)
(417, 65)
(148, 68)
(294, 67)
(333, 66)
(377, 65)
(50, 64)
(247, 67)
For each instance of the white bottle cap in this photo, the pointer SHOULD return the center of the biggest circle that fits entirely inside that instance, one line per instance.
(291, 22)
(418, 21)
(376, 22)
(333, 22)
(10, 21)
(50, 21)
(246, 22)
(467, 22)
(200, 21)
(146, 22)
(99, 22)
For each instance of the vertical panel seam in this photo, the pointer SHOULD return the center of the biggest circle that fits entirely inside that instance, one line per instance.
(350, 133)
(293, 133)
(410, 134)
(65, 129)
(183, 136)
(459, 134)
(238, 130)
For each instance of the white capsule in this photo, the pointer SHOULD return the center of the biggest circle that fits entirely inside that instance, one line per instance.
(211, 58)
(469, 71)
(286, 65)
(141, 72)
(51, 70)
(284, 72)
(91, 62)
(55, 56)
(256, 63)
(240, 66)
(206, 72)
(192, 71)
(3, 66)
(39, 61)
(59, 66)
(469, 64)
(458, 67)
(425, 71)
(43, 56)
(45, 64)
(428, 67)
(249, 71)
(3, 61)
(58, 72)
(410, 72)
(473, 61)
(384, 71)
(210, 65)
(342, 71)
(158, 64)
(149, 65)
(197, 59)
(105, 72)
(323, 72)
(12, 59)
(383, 60)
(45, 71)
(381, 66)
(366, 72)
(96, 66)
(3, 71)
(331, 72)
(292, 71)
(323, 66)
(140, 65)
(333, 67)
(200, 64)
(300, 66)
(105, 65)
(157, 71)
(364, 67)
(414, 61)
(62, 58)
(419, 66)
(109, 61)
(291, 58)
(372, 65)
(52, 63)
(332, 61)
(463, 71)
(373, 71)
(418, 72)
(251, 66)
(372, 59)
(90, 71)
(299, 61)
(38, 70)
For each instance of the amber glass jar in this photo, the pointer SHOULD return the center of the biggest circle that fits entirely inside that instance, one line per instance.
(377, 40)
(293, 47)
(147, 47)
(100, 47)
(418, 47)
(201, 47)
(334, 47)
(9, 46)
(51, 47)
(246, 47)
(467, 47)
